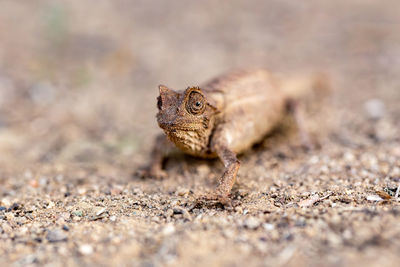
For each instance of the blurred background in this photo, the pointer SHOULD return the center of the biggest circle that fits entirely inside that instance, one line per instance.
(78, 79)
(78, 88)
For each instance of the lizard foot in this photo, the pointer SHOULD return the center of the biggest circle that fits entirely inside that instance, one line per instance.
(151, 173)
(307, 145)
(220, 198)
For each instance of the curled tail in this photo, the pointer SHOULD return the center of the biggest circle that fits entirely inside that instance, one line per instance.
(303, 85)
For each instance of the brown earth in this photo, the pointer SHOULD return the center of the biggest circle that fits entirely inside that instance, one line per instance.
(78, 81)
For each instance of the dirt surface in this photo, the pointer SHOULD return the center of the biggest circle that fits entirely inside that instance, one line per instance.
(78, 83)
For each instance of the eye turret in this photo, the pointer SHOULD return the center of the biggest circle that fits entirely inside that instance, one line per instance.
(196, 103)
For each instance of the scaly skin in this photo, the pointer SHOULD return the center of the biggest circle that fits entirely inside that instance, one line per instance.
(221, 119)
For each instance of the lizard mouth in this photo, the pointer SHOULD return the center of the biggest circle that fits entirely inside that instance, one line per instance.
(172, 127)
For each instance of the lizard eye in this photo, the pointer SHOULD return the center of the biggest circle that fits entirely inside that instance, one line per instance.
(159, 102)
(196, 103)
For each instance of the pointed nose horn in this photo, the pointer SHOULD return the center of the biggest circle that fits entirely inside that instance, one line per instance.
(166, 93)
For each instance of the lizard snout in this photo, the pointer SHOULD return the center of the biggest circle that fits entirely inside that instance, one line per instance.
(166, 125)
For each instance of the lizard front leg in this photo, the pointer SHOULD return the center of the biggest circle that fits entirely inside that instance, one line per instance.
(231, 163)
(162, 148)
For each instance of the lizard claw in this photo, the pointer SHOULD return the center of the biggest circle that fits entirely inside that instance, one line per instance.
(151, 173)
(223, 199)
(307, 145)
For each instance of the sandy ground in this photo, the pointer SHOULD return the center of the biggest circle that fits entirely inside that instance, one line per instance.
(78, 83)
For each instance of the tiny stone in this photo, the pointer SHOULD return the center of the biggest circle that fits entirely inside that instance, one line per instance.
(168, 230)
(395, 171)
(347, 234)
(239, 209)
(252, 223)
(43, 181)
(56, 236)
(115, 191)
(374, 198)
(86, 249)
(182, 192)
(99, 212)
(59, 178)
(65, 215)
(2, 208)
(6, 228)
(5, 202)
(113, 218)
(78, 213)
(33, 183)
(28, 260)
(23, 230)
(60, 221)
(268, 226)
(169, 213)
(81, 191)
(374, 108)
(137, 191)
(349, 157)
(230, 234)
(15, 206)
(51, 205)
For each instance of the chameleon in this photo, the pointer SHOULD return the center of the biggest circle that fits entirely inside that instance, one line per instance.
(224, 117)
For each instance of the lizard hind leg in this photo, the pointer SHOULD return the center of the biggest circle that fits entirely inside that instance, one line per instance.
(295, 108)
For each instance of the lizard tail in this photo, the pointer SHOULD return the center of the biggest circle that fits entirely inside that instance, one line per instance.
(300, 86)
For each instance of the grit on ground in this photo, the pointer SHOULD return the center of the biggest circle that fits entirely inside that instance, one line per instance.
(78, 84)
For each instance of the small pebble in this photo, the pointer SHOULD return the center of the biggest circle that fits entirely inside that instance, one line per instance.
(56, 236)
(182, 192)
(78, 213)
(268, 226)
(50, 205)
(34, 183)
(374, 198)
(168, 230)
(100, 211)
(43, 181)
(169, 213)
(81, 190)
(15, 206)
(86, 249)
(115, 191)
(252, 223)
(374, 108)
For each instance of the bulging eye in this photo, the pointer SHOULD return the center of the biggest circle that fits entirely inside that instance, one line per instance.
(196, 103)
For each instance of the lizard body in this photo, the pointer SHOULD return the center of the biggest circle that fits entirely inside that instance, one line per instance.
(222, 118)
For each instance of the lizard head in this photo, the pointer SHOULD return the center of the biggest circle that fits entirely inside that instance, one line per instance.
(188, 110)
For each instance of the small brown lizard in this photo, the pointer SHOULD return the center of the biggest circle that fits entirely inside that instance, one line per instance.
(225, 117)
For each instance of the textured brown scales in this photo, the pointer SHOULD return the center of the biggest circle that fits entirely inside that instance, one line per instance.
(225, 117)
